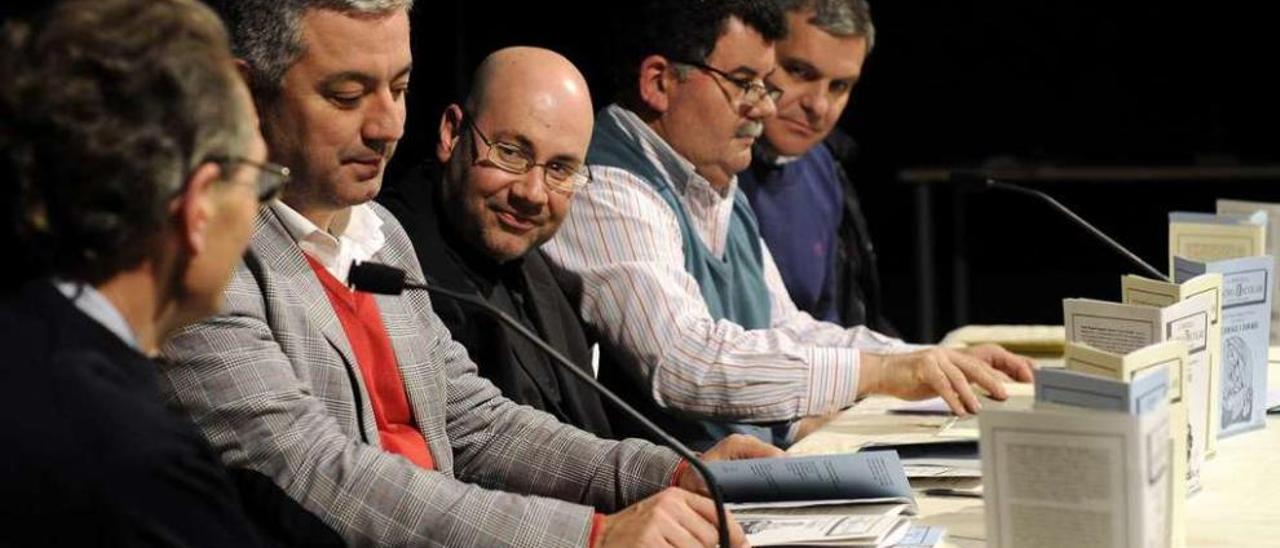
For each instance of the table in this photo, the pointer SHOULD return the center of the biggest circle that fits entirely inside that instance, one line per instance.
(1238, 506)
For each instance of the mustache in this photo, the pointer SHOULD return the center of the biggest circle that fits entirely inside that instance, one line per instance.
(751, 129)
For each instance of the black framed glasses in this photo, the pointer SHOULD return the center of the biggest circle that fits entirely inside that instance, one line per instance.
(753, 91)
(560, 176)
(270, 180)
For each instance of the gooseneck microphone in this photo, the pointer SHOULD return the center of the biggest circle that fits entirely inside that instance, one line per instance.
(989, 183)
(388, 280)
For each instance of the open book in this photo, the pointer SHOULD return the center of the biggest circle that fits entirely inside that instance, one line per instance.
(857, 499)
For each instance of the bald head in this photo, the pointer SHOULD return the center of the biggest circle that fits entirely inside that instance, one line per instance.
(525, 103)
(525, 76)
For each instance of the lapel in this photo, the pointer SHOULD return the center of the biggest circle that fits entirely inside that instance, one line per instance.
(284, 258)
(419, 348)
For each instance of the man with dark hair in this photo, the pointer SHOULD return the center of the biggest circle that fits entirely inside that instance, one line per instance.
(665, 258)
(808, 211)
(361, 408)
(478, 214)
(131, 143)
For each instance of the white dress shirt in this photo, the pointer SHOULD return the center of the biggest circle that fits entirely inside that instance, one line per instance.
(355, 236)
(621, 244)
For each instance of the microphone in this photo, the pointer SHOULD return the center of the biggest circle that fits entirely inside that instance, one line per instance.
(388, 280)
(984, 182)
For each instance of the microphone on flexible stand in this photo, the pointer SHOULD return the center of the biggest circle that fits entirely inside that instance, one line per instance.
(388, 280)
(984, 182)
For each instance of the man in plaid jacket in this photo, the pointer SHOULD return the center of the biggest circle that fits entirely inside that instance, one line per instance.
(360, 408)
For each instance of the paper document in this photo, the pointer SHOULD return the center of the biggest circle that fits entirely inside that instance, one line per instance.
(1240, 393)
(1123, 328)
(763, 530)
(1160, 294)
(1209, 237)
(1272, 211)
(922, 536)
(1062, 477)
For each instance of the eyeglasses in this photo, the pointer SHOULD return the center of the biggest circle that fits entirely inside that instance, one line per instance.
(560, 176)
(753, 91)
(271, 177)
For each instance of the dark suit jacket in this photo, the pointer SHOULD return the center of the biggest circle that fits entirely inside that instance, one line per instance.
(91, 456)
(524, 288)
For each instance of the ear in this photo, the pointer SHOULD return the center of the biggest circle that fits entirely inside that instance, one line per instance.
(193, 209)
(242, 67)
(655, 82)
(451, 129)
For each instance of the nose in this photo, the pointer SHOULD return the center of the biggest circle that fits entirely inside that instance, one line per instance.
(384, 118)
(529, 191)
(766, 107)
(816, 103)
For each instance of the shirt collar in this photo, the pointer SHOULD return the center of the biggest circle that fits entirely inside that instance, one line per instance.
(357, 235)
(680, 171)
(95, 305)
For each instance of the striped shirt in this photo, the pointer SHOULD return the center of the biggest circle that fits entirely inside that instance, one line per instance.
(620, 248)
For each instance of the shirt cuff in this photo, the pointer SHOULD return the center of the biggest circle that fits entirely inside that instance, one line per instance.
(597, 529)
(833, 380)
(679, 471)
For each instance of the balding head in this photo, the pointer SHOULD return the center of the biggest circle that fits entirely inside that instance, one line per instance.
(526, 77)
(525, 101)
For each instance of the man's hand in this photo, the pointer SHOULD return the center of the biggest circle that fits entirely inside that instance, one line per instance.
(674, 517)
(1017, 368)
(943, 372)
(734, 447)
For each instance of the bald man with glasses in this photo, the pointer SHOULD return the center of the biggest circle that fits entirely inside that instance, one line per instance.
(507, 166)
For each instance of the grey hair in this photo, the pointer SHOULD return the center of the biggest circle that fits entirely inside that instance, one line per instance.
(267, 34)
(843, 18)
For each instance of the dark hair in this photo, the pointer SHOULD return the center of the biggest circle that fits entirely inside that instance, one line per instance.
(683, 29)
(108, 106)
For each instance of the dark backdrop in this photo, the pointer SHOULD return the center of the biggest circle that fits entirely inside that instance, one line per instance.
(994, 82)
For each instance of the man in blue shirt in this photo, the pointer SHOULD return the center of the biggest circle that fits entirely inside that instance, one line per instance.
(808, 212)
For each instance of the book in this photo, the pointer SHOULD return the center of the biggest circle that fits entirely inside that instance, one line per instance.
(1241, 395)
(1124, 328)
(1146, 391)
(1210, 237)
(1064, 476)
(1137, 367)
(1160, 293)
(852, 499)
(1272, 211)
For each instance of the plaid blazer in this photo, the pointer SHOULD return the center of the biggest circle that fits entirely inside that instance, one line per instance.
(272, 382)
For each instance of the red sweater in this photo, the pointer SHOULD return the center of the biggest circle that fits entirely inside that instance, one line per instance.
(376, 360)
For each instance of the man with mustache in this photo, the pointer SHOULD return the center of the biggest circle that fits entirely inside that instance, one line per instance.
(665, 259)
(808, 211)
(508, 163)
(361, 408)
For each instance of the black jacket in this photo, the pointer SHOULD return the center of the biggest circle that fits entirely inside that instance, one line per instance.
(90, 455)
(857, 272)
(524, 288)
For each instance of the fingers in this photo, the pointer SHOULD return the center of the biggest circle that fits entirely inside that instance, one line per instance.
(706, 508)
(742, 446)
(702, 522)
(980, 373)
(1019, 368)
(937, 379)
(959, 384)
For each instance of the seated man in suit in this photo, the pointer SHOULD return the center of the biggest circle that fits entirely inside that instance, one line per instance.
(362, 408)
(477, 217)
(131, 142)
(666, 259)
(809, 214)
